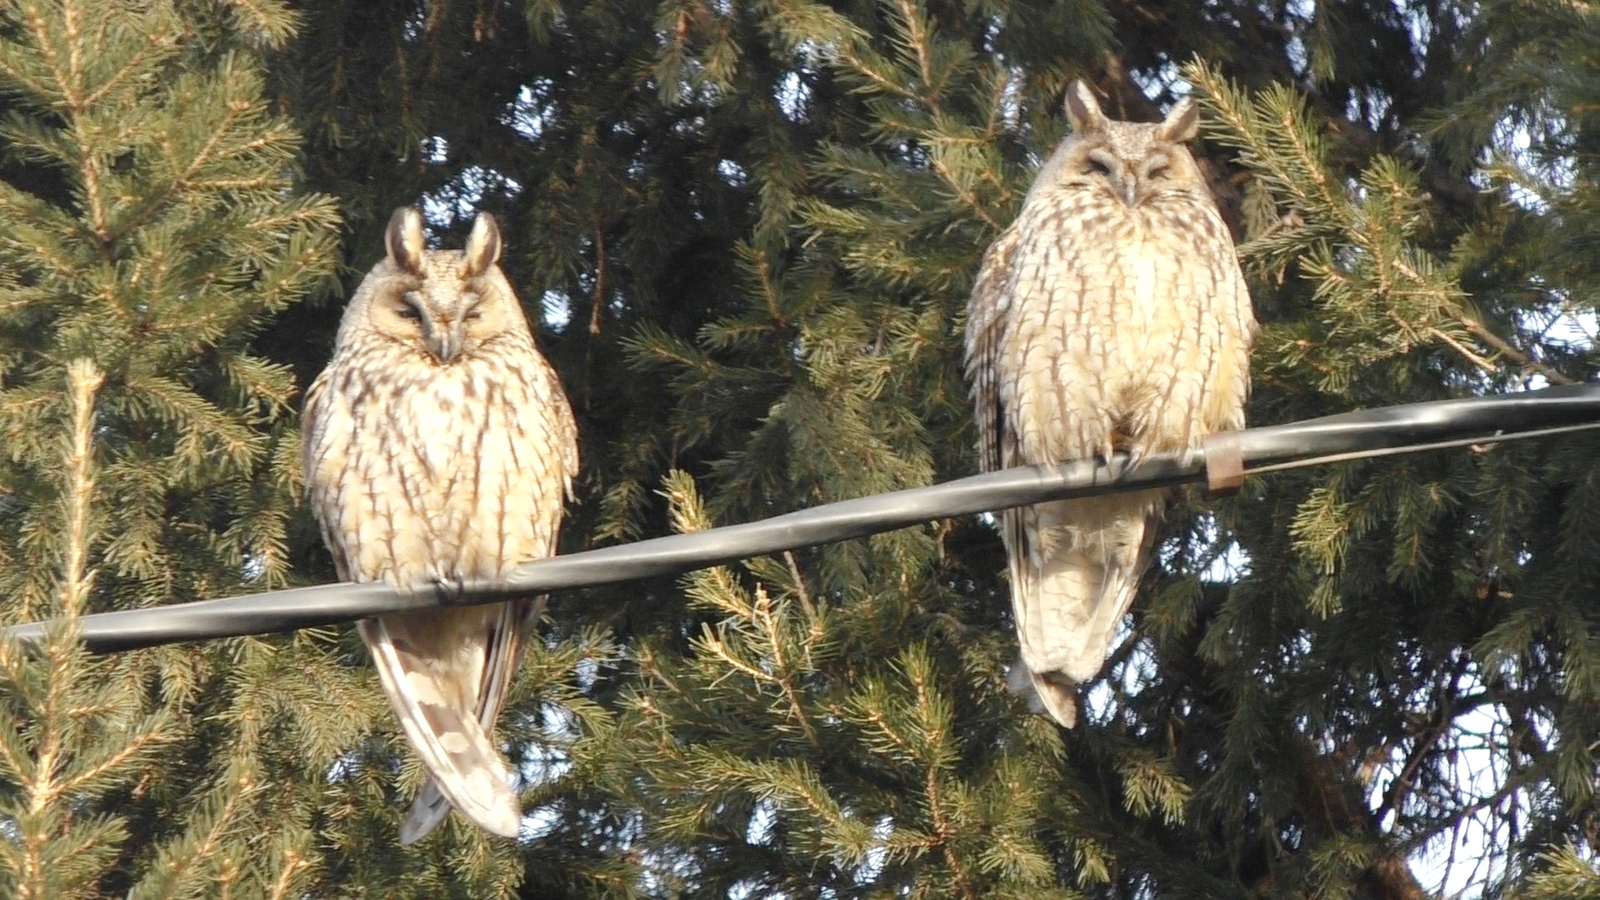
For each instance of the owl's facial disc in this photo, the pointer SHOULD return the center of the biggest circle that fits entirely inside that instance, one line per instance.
(1132, 183)
(1156, 170)
(1114, 173)
(1152, 177)
(443, 334)
(447, 311)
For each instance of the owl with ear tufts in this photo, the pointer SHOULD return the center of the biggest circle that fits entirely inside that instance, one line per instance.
(439, 447)
(1110, 316)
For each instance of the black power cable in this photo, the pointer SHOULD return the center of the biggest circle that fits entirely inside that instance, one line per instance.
(1376, 432)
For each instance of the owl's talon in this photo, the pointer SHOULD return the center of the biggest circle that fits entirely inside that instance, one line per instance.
(454, 587)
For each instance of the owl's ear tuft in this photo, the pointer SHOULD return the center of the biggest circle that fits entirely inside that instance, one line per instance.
(1083, 110)
(483, 245)
(1182, 123)
(404, 239)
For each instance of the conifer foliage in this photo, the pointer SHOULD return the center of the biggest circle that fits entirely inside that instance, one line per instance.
(747, 232)
(148, 228)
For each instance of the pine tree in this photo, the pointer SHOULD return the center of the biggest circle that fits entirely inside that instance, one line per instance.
(149, 227)
(747, 232)
(1300, 727)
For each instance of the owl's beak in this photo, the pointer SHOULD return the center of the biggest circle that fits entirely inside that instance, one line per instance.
(1130, 192)
(445, 343)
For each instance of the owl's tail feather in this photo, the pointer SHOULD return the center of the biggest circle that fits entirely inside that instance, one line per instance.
(1045, 692)
(426, 812)
(431, 665)
(431, 807)
(1071, 590)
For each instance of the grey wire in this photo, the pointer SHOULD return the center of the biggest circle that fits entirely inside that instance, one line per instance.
(1409, 428)
(1332, 458)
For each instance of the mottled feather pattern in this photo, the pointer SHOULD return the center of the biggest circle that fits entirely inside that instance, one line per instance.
(1110, 316)
(439, 447)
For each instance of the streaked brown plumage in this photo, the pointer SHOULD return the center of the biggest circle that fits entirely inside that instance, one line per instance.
(1111, 315)
(439, 446)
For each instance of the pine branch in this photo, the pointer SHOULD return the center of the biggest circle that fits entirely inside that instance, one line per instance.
(83, 382)
(1389, 271)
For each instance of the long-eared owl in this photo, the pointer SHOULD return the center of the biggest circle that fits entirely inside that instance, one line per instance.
(1110, 316)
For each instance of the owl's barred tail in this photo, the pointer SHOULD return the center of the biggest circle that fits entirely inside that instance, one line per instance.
(1072, 591)
(430, 668)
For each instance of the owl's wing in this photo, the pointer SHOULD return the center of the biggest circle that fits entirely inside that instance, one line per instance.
(987, 315)
(1229, 326)
(565, 436)
(314, 448)
(986, 320)
(1242, 329)
(987, 312)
